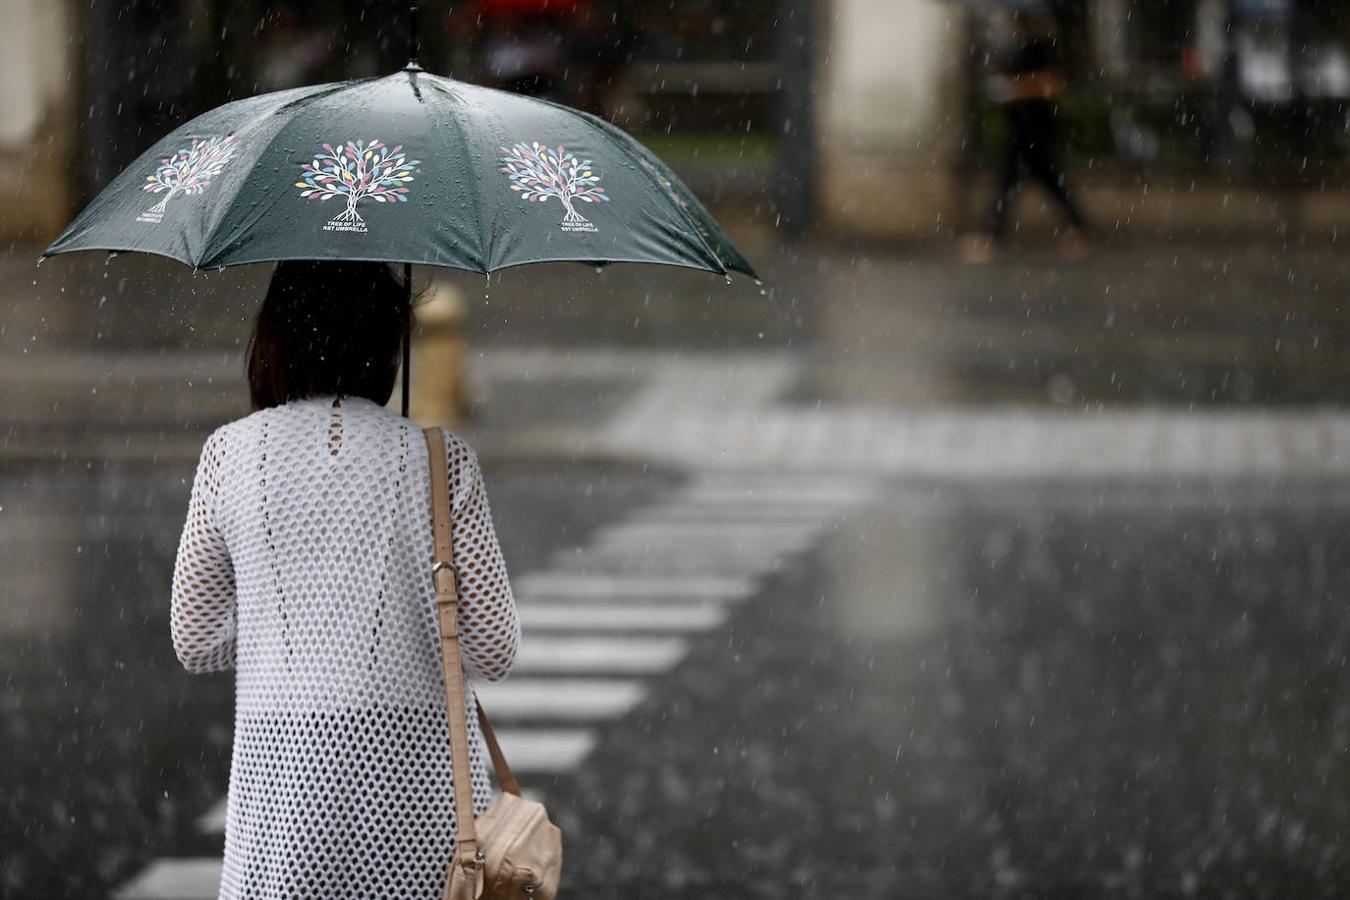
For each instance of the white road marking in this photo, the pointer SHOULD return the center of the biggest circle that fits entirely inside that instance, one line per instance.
(182, 878)
(213, 820)
(996, 443)
(705, 547)
(596, 617)
(606, 586)
(774, 492)
(712, 541)
(709, 529)
(597, 655)
(553, 699)
(670, 564)
(738, 513)
(545, 751)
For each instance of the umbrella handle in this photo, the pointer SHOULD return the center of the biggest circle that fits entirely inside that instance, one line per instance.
(407, 333)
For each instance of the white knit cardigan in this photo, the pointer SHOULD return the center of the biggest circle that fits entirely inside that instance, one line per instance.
(305, 564)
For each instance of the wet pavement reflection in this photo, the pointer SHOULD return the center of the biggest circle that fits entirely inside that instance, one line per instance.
(1015, 692)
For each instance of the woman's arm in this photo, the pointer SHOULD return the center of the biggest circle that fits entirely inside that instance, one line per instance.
(489, 626)
(202, 612)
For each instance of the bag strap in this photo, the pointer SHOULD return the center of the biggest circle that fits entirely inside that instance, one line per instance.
(504, 775)
(447, 618)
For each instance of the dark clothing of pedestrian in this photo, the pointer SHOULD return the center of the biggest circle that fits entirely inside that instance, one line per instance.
(1032, 145)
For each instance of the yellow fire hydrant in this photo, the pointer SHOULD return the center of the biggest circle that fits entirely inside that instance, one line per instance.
(439, 393)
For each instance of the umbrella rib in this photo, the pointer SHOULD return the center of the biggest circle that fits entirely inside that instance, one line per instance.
(332, 89)
(597, 124)
(210, 237)
(483, 249)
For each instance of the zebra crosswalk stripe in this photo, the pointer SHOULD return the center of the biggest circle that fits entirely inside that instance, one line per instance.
(711, 529)
(559, 699)
(213, 820)
(185, 878)
(545, 751)
(597, 617)
(607, 586)
(542, 654)
(700, 513)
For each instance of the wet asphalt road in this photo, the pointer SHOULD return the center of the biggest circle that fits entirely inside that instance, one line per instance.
(1020, 692)
(965, 692)
(1031, 688)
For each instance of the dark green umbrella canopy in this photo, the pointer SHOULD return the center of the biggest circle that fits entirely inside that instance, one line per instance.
(411, 168)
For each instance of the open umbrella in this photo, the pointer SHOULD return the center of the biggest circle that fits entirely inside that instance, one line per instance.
(407, 168)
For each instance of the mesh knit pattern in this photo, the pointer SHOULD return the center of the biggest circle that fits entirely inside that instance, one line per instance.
(305, 564)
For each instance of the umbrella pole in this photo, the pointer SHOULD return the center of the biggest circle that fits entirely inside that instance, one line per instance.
(407, 335)
(412, 36)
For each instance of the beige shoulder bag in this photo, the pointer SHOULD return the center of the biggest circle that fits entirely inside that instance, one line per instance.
(513, 850)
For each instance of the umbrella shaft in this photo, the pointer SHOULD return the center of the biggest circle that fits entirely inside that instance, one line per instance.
(407, 335)
(412, 33)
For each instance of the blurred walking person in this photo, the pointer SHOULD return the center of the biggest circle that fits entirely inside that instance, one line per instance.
(305, 565)
(1027, 87)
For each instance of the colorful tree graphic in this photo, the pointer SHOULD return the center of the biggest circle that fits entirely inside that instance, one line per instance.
(539, 173)
(357, 170)
(190, 169)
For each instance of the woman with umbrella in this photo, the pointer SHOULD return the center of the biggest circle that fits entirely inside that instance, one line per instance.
(301, 565)
(306, 561)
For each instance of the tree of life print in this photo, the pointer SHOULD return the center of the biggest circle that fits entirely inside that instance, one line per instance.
(188, 171)
(356, 171)
(539, 172)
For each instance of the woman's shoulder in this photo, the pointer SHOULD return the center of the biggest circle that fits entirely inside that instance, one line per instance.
(454, 441)
(242, 424)
(458, 449)
(220, 435)
(237, 430)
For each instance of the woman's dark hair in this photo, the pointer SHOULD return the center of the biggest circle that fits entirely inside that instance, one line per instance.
(327, 328)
